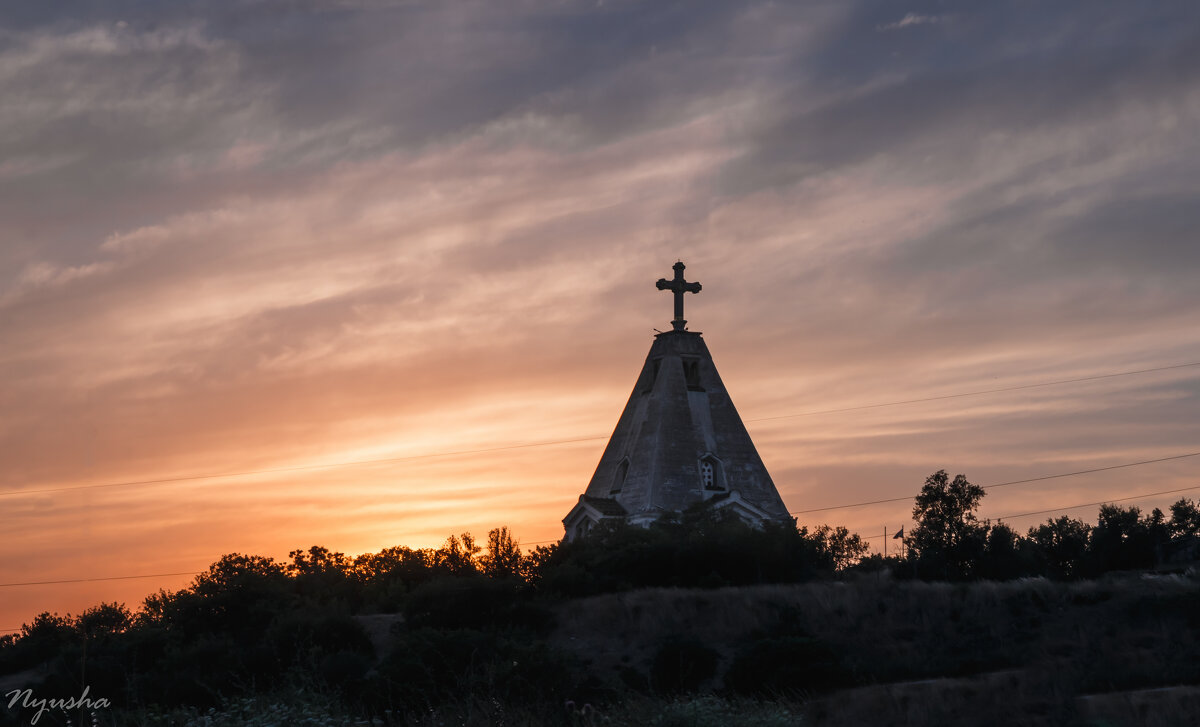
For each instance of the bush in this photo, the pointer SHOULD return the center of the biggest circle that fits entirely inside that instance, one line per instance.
(467, 602)
(784, 665)
(682, 665)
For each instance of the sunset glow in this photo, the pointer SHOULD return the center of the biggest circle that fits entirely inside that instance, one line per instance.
(389, 268)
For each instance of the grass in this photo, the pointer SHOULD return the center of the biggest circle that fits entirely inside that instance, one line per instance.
(1019, 652)
(1123, 650)
(311, 710)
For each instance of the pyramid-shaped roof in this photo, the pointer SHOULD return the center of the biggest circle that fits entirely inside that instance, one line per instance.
(678, 442)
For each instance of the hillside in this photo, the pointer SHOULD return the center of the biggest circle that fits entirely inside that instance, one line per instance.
(693, 621)
(883, 652)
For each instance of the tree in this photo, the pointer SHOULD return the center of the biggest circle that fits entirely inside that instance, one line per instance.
(1124, 540)
(843, 547)
(947, 538)
(324, 576)
(1185, 518)
(104, 620)
(457, 557)
(503, 558)
(1060, 546)
(318, 560)
(1006, 554)
(238, 594)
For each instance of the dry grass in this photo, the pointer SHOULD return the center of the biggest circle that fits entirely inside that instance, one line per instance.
(1019, 652)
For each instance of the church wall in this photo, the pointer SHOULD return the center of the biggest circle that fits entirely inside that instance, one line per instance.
(677, 413)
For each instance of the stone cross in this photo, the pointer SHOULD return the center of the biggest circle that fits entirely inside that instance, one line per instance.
(678, 286)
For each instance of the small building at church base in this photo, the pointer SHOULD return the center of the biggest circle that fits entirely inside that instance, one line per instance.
(678, 442)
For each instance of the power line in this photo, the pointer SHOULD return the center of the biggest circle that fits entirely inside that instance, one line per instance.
(1102, 502)
(978, 393)
(1141, 496)
(1006, 484)
(554, 442)
(107, 578)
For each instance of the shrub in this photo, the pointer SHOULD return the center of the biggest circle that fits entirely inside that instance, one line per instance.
(470, 602)
(784, 665)
(682, 665)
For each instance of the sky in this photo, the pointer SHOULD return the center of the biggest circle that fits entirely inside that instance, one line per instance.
(267, 239)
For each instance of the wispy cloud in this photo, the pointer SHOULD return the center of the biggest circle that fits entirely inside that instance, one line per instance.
(236, 240)
(910, 19)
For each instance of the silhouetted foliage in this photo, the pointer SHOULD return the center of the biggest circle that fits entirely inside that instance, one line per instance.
(1122, 540)
(700, 547)
(303, 637)
(786, 664)
(1059, 546)
(682, 665)
(105, 620)
(471, 601)
(458, 556)
(385, 577)
(476, 622)
(947, 540)
(428, 667)
(878, 563)
(503, 558)
(46, 636)
(321, 576)
(1185, 519)
(843, 547)
(1006, 555)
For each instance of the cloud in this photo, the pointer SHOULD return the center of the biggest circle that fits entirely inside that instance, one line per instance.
(910, 19)
(236, 239)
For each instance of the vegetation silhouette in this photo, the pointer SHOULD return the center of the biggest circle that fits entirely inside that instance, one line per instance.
(404, 633)
(949, 542)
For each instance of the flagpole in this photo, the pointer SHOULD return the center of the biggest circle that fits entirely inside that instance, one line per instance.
(885, 542)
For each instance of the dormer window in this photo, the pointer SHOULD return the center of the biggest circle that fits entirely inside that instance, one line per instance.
(651, 375)
(712, 474)
(691, 374)
(619, 476)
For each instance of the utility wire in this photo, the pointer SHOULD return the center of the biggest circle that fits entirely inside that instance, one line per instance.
(1142, 496)
(107, 578)
(1102, 502)
(1006, 484)
(595, 438)
(978, 393)
(554, 442)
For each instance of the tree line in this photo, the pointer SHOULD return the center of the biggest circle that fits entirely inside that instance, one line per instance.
(950, 542)
(473, 617)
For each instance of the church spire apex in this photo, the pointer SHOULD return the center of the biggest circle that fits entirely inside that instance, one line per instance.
(678, 286)
(679, 442)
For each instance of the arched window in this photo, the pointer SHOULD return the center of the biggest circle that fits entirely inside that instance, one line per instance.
(712, 474)
(619, 476)
(691, 374)
(651, 375)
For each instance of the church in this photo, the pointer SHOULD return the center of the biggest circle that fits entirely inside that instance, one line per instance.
(678, 442)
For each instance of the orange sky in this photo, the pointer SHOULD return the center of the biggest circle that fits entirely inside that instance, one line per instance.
(215, 260)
